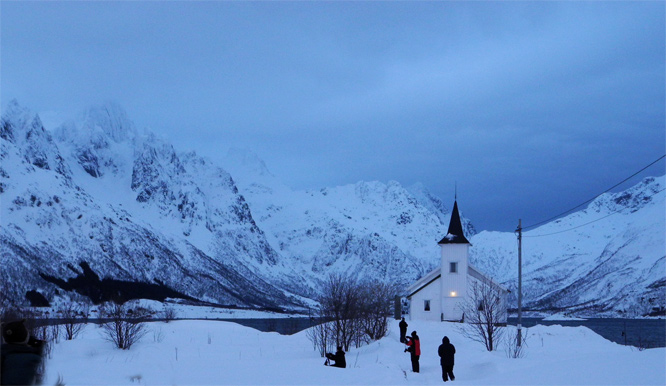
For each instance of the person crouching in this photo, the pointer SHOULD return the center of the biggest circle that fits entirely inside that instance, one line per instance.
(338, 358)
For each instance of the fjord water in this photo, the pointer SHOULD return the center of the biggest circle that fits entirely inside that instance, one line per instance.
(644, 333)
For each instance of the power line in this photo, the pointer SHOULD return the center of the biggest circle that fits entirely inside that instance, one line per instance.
(593, 221)
(593, 198)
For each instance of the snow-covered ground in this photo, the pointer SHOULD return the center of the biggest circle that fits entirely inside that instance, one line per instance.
(560, 316)
(225, 353)
(156, 310)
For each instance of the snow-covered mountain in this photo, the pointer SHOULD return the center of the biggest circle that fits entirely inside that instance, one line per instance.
(366, 230)
(606, 259)
(98, 200)
(97, 207)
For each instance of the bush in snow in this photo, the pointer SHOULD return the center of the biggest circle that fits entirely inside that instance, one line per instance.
(74, 318)
(511, 347)
(169, 313)
(484, 315)
(125, 326)
(354, 313)
(374, 309)
(319, 336)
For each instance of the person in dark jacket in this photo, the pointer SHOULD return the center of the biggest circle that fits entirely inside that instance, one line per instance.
(20, 355)
(447, 353)
(338, 357)
(403, 330)
(414, 350)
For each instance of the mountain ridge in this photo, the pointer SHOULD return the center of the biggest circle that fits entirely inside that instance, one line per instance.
(236, 235)
(607, 259)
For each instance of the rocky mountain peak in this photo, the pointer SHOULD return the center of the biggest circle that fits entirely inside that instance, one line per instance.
(20, 123)
(247, 167)
(151, 214)
(24, 128)
(633, 198)
(111, 119)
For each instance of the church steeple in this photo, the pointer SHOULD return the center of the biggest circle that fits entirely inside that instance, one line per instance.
(455, 234)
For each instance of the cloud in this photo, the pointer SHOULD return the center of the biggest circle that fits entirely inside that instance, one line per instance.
(536, 102)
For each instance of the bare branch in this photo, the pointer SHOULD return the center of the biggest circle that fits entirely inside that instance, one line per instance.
(125, 327)
(484, 315)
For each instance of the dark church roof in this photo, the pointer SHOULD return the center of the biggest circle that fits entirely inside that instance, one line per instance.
(455, 234)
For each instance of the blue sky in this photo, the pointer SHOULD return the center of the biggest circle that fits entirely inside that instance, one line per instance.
(531, 107)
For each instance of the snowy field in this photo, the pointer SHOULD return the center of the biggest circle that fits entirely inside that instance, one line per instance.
(203, 352)
(182, 311)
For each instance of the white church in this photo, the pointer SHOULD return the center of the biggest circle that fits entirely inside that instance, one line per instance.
(439, 295)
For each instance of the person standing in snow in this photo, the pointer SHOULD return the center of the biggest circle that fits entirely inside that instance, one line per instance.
(414, 350)
(447, 353)
(338, 357)
(403, 330)
(21, 355)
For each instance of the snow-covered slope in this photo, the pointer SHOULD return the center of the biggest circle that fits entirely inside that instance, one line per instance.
(366, 230)
(129, 208)
(95, 199)
(608, 258)
(202, 352)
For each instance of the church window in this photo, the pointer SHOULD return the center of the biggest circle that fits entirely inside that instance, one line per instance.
(453, 267)
(426, 305)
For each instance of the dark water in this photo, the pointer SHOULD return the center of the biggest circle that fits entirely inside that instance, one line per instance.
(645, 333)
(284, 326)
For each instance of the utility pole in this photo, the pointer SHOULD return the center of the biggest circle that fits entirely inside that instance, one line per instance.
(520, 283)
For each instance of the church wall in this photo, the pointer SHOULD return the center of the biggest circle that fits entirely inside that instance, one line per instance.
(416, 305)
(453, 285)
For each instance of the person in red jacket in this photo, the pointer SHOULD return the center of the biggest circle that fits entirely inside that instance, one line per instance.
(414, 350)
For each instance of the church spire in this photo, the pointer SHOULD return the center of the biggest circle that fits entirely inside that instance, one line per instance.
(455, 235)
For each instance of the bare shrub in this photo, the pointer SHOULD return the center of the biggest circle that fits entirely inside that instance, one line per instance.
(55, 332)
(158, 335)
(74, 318)
(375, 309)
(169, 313)
(484, 315)
(339, 303)
(352, 312)
(320, 335)
(511, 347)
(125, 327)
